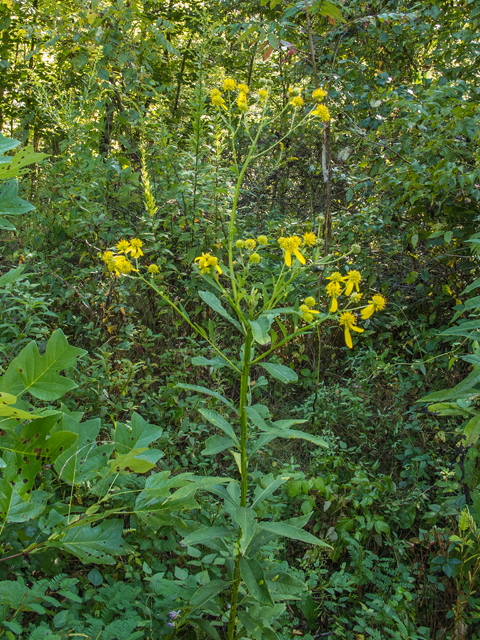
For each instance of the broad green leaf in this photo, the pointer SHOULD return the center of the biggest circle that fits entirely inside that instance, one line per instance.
(15, 508)
(448, 409)
(217, 444)
(215, 304)
(284, 583)
(207, 392)
(10, 203)
(7, 144)
(280, 372)
(330, 9)
(40, 375)
(135, 461)
(469, 329)
(205, 534)
(473, 285)
(288, 531)
(219, 421)
(206, 593)
(260, 329)
(8, 408)
(84, 459)
(452, 394)
(254, 578)
(271, 485)
(96, 545)
(17, 163)
(12, 276)
(217, 363)
(8, 226)
(246, 33)
(29, 449)
(472, 430)
(208, 628)
(246, 520)
(137, 435)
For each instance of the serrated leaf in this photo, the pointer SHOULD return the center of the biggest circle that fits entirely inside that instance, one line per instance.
(97, 544)
(215, 304)
(254, 578)
(280, 372)
(40, 375)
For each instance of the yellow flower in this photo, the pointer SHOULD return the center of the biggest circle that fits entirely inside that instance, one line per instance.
(123, 246)
(307, 314)
(336, 277)
(334, 290)
(152, 268)
(239, 244)
(352, 279)
(290, 245)
(21, 33)
(377, 303)
(254, 258)
(348, 320)
(309, 239)
(262, 240)
(207, 263)
(310, 301)
(217, 99)
(109, 259)
(319, 94)
(262, 94)
(134, 248)
(122, 265)
(243, 88)
(250, 244)
(322, 112)
(297, 102)
(229, 84)
(8, 3)
(242, 101)
(356, 297)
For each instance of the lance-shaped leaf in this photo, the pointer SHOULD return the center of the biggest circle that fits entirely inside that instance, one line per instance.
(280, 372)
(217, 444)
(246, 520)
(219, 421)
(271, 484)
(207, 392)
(40, 375)
(206, 593)
(94, 544)
(253, 576)
(289, 531)
(215, 304)
(205, 534)
(462, 389)
(12, 276)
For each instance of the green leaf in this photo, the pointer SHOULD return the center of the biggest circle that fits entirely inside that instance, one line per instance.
(217, 444)
(207, 627)
(10, 203)
(260, 329)
(217, 363)
(138, 434)
(7, 144)
(12, 276)
(329, 9)
(288, 531)
(284, 583)
(468, 329)
(472, 430)
(254, 578)
(14, 508)
(451, 394)
(473, 285)
(271, 485)
(205, 534)
(16, 164)
(280, 372)
(215, 304)
(138, 460)
(40, 375)
(246, 33)
(9, 408)
(206, 593)
(246, 520)
(219, 421)
(94, 544)
(208, 392)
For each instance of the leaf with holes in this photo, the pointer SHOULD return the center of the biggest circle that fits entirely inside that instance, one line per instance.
(16, 165)
(14, 508)
(138, 434)
(8, 408)
(40, 375)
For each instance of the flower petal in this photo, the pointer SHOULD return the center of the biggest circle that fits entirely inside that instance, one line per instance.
(367, 311)
(348, 338)
(299, 256)
(334, 305)
(288, 258)
(358, 329)
(349, 288)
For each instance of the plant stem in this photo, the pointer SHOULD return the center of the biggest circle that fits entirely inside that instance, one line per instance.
(244, 386)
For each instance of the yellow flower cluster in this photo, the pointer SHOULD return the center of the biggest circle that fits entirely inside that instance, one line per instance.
(293, 243)
(297, 102)
(320, 110)
(306, 309)
(242, 100)
(347, 319)
(119, 263)
(216, 97)
(229, 84)
(208, 264)
(262, 94)
(250, 244)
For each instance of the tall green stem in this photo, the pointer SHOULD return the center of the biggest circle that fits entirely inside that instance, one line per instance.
(244, 387)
